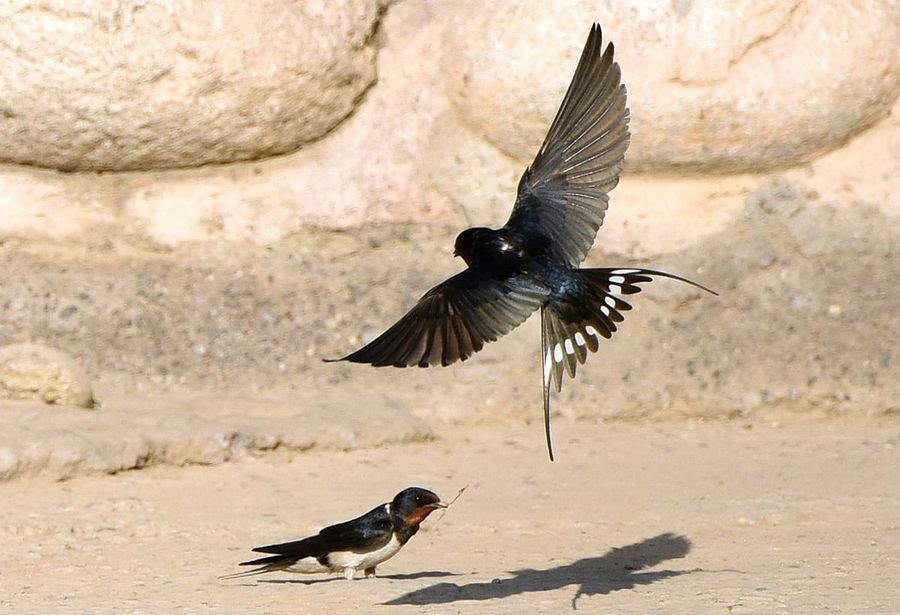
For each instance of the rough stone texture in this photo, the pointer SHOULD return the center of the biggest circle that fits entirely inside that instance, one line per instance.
(370, 169)
(714, 85)
(130, 433)
(408, 155)
(32, 371)
(231, 278)
(145, 84)
(797, 325)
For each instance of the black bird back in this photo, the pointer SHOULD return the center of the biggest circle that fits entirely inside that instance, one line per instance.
(560, 205)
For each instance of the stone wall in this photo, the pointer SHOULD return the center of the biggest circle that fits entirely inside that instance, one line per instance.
(156, 152)
(339, 114)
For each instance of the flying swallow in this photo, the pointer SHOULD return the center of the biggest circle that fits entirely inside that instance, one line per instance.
(359, 544)
(532, 262)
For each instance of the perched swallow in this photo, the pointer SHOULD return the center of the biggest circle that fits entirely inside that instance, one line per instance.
(360, 544)
(532, 262)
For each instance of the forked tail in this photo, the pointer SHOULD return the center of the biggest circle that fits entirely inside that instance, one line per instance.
(572, 328)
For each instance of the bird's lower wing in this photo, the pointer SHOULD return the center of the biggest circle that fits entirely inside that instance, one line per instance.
(371, 530)
(368, 532)
(454, 320)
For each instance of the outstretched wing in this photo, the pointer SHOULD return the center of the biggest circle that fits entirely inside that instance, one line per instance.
(454, 320)
(563, 194)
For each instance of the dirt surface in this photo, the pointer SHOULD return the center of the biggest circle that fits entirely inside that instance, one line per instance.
(673, 517)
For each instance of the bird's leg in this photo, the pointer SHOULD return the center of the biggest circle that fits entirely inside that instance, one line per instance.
(349, 573)
(370, 572)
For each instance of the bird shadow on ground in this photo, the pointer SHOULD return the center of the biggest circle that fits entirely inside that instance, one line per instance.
(298, 581)
(419, 575)
(616, 570)
(425, 574)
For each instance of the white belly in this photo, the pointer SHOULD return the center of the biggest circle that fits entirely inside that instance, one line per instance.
(361, 561)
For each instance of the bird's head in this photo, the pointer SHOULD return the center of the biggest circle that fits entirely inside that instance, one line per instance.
(414, 504)
(466, 242)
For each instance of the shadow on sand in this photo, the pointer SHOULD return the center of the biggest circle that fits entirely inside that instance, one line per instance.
(613, 571)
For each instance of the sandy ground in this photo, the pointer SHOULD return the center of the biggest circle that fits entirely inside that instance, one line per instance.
(675, 517)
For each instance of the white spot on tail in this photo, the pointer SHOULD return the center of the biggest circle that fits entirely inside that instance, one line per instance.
(569, 347)
(579, 339)
(610, 302)
(605, 310)
(557, 353)
(616, 290)
(625, 271)
(590, 330)
(617, 279)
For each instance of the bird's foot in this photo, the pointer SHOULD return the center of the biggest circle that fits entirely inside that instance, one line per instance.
(370, 572)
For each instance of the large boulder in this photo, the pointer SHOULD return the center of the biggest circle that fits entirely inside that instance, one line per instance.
(464, 97)
(36, 372)
(714, 85)
(146, 84)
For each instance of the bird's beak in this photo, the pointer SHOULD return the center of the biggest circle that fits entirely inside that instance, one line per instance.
(439, 505)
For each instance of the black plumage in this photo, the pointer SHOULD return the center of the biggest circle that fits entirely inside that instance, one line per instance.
(361, 543)
(532, 262)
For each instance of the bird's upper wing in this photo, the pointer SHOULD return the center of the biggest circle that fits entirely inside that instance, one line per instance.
(455, 319)
(370, 531)
(563, 194)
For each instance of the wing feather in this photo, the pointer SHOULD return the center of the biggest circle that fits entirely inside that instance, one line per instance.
(371, 530)
(454, 320)
(563, 195)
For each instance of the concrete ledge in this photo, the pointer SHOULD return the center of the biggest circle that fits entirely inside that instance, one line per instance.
(61, 443)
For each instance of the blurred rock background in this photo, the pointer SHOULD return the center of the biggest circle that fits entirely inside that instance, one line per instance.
(205, 198)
